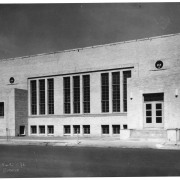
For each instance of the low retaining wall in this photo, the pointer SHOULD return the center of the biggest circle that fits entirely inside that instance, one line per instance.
(125, 134)
(173, 134)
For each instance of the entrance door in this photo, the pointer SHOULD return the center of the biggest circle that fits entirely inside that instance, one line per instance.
(22, 130)
(153, 113)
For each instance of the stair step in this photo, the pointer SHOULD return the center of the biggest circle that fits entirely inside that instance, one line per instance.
(148, 134)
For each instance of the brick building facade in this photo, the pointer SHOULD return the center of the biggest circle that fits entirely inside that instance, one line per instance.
(108, 90)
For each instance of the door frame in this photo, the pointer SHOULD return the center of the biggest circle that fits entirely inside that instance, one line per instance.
(153, 115)
(20, 130)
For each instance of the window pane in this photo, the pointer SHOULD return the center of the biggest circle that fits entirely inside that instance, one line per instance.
(158, 119)
(159, 113)
(148, 113)
(148, 106)
(159, 106)
(148, 120)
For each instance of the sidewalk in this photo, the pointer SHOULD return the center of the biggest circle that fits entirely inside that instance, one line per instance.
(105, 142)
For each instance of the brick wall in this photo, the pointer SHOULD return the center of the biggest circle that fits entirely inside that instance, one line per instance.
(141, 54)
(161, 83)
(94, 121)
(138, 53)
(8, 121)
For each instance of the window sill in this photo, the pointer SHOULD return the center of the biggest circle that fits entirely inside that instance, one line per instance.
(80, 115)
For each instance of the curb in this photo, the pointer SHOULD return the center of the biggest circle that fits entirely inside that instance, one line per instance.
(156, 146)
(72, 145)
(168, 146)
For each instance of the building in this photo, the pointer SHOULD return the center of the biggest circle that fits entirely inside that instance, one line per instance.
(94, 91)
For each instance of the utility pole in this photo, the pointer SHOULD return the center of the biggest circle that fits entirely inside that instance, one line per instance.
(7, 134)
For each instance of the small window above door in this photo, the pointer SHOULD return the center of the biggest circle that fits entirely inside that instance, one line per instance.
(153, 97)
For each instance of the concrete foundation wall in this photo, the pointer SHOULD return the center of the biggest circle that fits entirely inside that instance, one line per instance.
(94, 122)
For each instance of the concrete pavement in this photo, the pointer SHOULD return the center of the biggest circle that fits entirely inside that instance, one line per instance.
(106, 142)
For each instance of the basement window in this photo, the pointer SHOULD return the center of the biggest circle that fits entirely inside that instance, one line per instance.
(125, 126)
(41, 129)
(86, 129)
(33, 130)
(116, 129)
(50, 129)
(67, 129)
(76, 129)
(105, 129)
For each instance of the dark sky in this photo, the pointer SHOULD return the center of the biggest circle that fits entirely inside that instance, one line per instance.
(27, 29)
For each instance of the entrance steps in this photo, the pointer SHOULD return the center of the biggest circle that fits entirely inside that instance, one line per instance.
(148, 135)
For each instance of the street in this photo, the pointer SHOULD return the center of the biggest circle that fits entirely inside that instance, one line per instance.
(47, 161)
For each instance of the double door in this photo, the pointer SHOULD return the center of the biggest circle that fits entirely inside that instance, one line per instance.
(153, 114)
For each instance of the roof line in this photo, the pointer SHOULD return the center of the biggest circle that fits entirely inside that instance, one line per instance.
(96, 46)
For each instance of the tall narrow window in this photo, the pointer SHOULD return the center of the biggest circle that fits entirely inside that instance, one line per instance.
(105, 92)
(86, 93)
(76, 88)
(50, 96)
(126, 74)
(33, 98)
(42, 96)
(67, 100)
(1, 109)
(116, 91)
